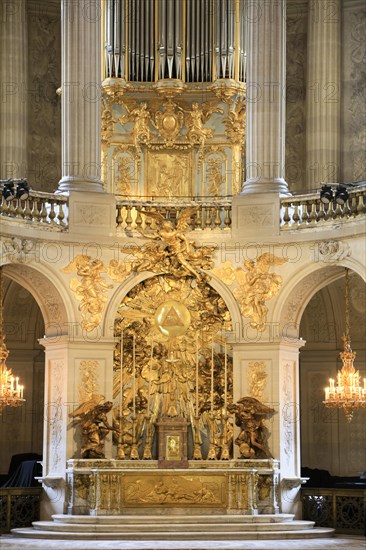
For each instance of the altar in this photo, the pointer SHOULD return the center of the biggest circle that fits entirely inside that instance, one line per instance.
(115, 487)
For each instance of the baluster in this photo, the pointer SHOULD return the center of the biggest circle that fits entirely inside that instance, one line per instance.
(337, 212)
(227, 220)
(347, 208)
(208, 218)
(217, 219)
(199, 218)
(11, 210)
(60, 214)
(304, 212)
(321, 213)
(354, 206)
(5, 207)
(35, 212)
(43, 212)
(27, 211)
(52, 214)
(19, 209)
(295, 215)
(119, 218)
(312, 215)
(286, 216)
(327, 211)
(129, 216)
(360, 205)
(138, 219)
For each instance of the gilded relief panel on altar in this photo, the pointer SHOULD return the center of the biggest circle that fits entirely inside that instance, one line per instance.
(168, 174)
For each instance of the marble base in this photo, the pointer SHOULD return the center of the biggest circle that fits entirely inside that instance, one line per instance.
(116, 487)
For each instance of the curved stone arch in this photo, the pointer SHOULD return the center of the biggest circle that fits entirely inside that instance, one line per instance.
(49, 293)
(297, 293)
(125, 287)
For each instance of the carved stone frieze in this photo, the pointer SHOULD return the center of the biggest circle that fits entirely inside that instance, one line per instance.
(331, 251)
(20, 250)
(55, 417)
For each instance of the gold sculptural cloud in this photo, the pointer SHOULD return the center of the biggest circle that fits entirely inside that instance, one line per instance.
(255, 286)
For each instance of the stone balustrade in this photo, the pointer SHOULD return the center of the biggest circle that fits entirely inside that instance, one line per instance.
(210, 215)
(303, 211)
(41, 208)
(50, 211)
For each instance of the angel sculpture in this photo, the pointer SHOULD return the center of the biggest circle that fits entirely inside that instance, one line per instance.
(197, 117)
(91, 290)
(179, 250)
(257, 286)
(235, 122)
(141, 117)
(253, 438)
(94, 426)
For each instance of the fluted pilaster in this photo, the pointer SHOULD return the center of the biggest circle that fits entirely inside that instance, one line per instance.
(265, 141)
(81, 96)
(323, 98)
(13, 77)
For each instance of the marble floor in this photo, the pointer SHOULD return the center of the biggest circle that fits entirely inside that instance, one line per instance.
(340, 542)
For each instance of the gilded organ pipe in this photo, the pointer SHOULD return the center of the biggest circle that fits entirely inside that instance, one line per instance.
(157, 39)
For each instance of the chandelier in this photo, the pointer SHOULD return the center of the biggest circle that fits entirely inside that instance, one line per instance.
(347, 393)
(11, 392)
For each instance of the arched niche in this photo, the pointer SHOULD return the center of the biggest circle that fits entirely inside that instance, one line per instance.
(298, 291)
(48, 292)
(328, 441)
(21, 428)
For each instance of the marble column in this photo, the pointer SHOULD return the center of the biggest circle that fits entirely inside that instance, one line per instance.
(13, 78)
(81, 96)
(323, 99)
(266, 94)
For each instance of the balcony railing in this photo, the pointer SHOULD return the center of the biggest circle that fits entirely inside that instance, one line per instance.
(50, 211)
(210, 215)
(41, 208)
(303, 211)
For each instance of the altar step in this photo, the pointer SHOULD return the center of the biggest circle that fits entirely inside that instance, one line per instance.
(213, 527)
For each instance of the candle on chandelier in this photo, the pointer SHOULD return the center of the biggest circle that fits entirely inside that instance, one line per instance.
(134, 375)
(225, 377)
(212, 375)
(326, 394)
(21, 389)
(197, 375)
(121, 378)
(150, 374)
